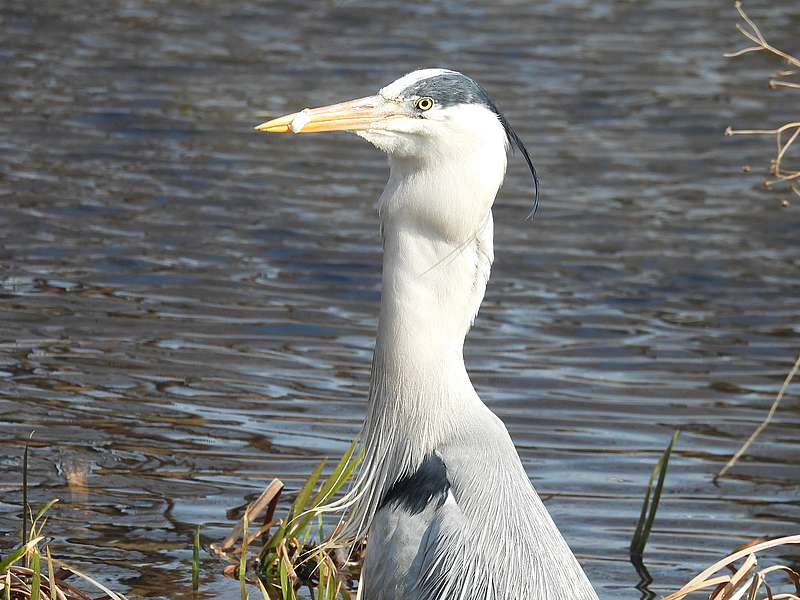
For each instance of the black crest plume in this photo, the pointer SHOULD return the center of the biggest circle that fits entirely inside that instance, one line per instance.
(451, 88)
(515, 140)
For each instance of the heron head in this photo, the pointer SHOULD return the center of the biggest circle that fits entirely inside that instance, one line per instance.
(430, 114)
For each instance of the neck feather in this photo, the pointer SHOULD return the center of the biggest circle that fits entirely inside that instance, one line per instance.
(438, 252)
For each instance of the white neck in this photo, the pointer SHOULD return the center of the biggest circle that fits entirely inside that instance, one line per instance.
(437, 227)
(435, 269)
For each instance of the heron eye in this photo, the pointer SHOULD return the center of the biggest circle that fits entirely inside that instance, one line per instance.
(424, 103)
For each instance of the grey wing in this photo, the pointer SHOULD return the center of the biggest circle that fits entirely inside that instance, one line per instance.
(412, 539)
(474, 529)
(398, 543)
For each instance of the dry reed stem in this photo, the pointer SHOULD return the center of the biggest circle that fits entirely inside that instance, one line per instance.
(777, 169)
(265, 504)
(734, 587)
(764, 423)
(18, 579)
(94, 582)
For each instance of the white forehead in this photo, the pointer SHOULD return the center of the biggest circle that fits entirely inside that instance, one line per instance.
(396, 87)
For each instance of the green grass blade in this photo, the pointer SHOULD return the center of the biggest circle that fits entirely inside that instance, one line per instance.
(645, 525)
(301, 501)
(36, 578)
(284, 575)
(662, 475)
(302, 535)
(40, 520)
(262, 589)
(196, 560)
(339, 476)
(25, 494)
(287, 585)
(264, 593)
(333, 587)
(17, 554)
(51, 578)
(636, 547)
(44, 509)
(322, 573)
(297, 508)
(328, 583)
(297, 528)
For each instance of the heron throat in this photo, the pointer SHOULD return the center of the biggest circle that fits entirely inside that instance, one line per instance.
(437, 233)
(437, 230)
(437, 227)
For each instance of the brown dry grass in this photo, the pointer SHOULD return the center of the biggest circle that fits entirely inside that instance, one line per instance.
(746, 582)
(787, 134)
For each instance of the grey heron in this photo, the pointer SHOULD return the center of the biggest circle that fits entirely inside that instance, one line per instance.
(449, 510)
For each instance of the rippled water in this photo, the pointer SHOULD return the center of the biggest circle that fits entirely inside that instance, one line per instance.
(189, 308)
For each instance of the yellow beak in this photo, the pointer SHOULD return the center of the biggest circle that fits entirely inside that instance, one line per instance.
(355, 115)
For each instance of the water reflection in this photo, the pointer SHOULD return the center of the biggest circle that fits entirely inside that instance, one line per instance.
(189, 308)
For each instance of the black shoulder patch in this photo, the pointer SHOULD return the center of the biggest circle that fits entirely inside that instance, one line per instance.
(415, 491)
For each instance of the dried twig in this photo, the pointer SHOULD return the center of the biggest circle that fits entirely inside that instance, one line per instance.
(759, 40)
(265, 504)
(778, 170)
(765, 422)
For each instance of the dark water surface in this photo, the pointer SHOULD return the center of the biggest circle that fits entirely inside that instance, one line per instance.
(188, 308)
